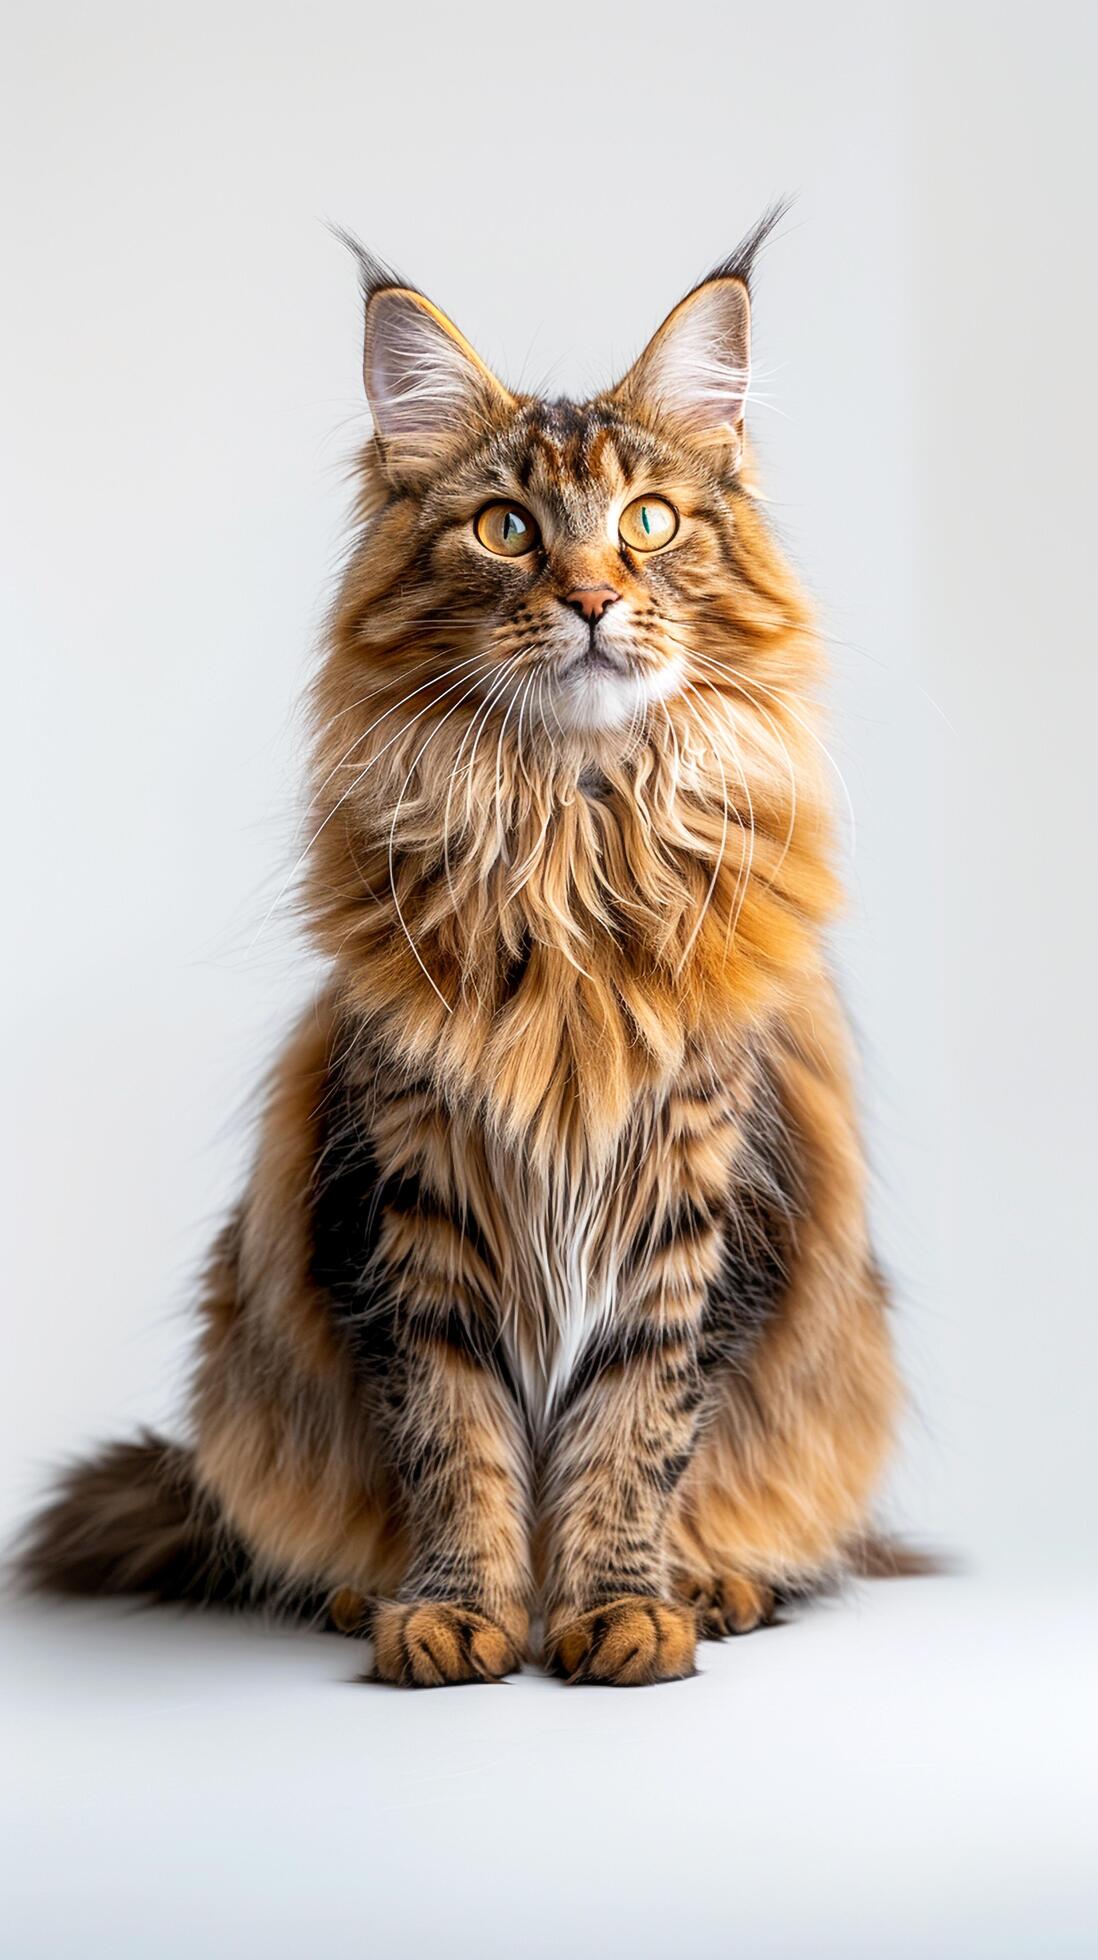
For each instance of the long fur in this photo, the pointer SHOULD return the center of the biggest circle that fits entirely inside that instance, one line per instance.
(551, 1287)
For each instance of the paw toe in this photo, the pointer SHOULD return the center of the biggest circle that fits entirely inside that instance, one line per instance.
(627, 1643)
(434, 1644)
(731, 1605)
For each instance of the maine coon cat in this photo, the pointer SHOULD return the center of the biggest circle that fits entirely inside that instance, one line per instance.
(550, 1300)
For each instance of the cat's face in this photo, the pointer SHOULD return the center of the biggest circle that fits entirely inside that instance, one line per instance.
(564, 555)
(585, 543)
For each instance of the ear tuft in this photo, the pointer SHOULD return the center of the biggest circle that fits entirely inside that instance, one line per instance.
(696, 369)
(740, 264)
(373, 273)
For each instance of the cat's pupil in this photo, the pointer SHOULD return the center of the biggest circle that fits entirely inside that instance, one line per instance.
(645, 520)
(512, 526)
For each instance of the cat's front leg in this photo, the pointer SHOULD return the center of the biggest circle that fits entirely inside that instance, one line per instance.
(618, 1450)
(462, 1612)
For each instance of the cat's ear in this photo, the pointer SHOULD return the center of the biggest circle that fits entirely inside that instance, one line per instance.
(424, 383)
(696, 369)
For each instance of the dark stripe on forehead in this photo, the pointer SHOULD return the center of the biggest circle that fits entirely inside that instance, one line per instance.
(562, 421)
(555, 438)
(570, 441)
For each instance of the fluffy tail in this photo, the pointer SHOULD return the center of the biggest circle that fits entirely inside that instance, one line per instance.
(878, 1556)
(132, 1520)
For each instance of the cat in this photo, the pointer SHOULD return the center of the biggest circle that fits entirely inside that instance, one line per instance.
(551, 1300)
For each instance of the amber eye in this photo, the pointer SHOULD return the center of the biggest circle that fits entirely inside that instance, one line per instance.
(506, 529)
(647, 523)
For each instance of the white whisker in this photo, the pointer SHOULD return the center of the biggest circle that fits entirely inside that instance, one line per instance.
(349, 791)
(392, 834)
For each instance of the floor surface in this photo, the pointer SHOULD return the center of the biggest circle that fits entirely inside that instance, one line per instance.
(909, 1770)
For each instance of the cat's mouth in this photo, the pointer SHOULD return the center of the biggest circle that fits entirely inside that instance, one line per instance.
(597, 658)
(601, 676)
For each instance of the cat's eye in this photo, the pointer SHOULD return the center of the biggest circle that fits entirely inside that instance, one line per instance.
(647, 523)
(506, 529)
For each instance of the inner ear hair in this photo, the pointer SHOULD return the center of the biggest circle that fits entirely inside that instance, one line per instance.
(696, 368)
(424, 383)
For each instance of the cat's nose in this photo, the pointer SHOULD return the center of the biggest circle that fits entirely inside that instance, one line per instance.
(591, 601)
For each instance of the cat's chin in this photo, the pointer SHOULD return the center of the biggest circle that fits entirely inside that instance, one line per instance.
(593, 698)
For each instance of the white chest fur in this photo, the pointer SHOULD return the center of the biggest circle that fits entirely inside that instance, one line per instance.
(562, 1290)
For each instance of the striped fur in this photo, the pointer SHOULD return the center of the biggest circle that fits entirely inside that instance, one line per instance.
(551, 1290)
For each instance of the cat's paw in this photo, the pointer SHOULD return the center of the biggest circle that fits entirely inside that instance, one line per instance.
(732, 1604)
(350, 1611)
(430, 1643)
(628, 1643)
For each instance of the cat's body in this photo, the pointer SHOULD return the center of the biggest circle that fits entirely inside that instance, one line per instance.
(552, 1286)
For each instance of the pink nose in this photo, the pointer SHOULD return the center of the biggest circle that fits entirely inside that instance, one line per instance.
(591, 601)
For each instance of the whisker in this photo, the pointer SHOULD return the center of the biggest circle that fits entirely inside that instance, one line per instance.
(747, 859)
(501, 836)
(384, 716)
(451, 784)
(720, 854)
(530, 679)
(864, 654)
(720, 702)
(752, 681)
(392, 834)
(349, 791)
(482, 718)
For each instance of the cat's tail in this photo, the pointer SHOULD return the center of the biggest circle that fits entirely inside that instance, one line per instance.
(132, 1519)
(878, 1555)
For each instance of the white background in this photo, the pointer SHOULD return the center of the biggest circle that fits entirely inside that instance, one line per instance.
(180, 393)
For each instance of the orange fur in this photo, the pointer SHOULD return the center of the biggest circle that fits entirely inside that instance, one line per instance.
(552, 1279)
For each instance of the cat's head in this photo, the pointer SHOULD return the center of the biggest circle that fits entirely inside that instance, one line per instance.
(569, 560)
